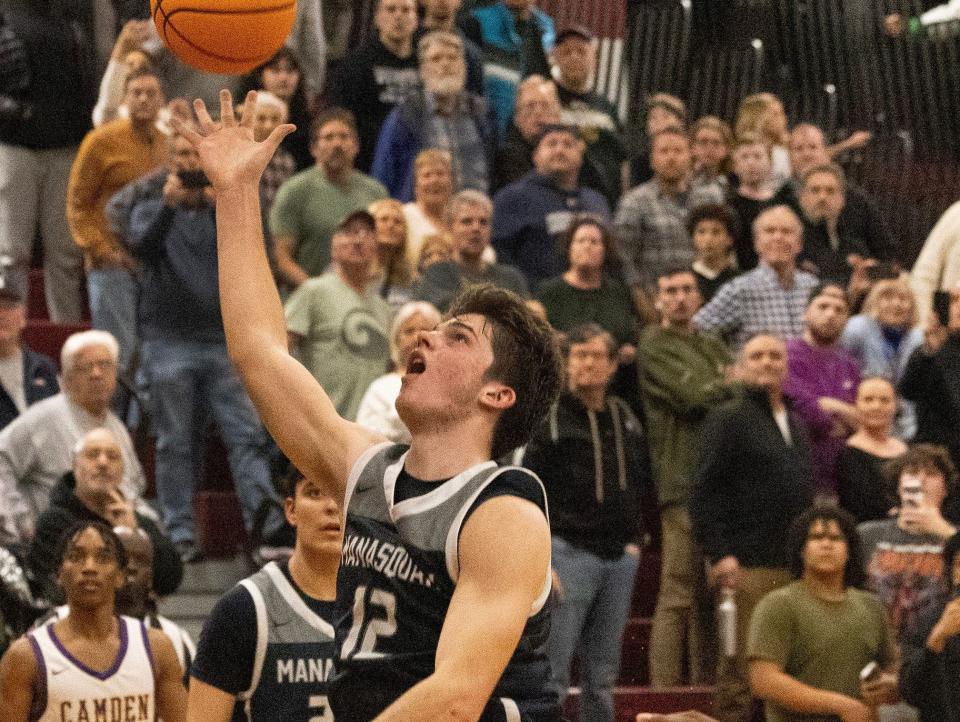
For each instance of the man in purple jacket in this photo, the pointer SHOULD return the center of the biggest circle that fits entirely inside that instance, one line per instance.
(822, 381)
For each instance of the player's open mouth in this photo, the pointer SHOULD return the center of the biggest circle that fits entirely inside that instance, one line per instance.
(416, 363)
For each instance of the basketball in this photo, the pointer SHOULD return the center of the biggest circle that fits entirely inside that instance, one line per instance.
(223, 36)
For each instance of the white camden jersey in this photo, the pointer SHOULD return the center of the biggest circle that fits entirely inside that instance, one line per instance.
(69, 691)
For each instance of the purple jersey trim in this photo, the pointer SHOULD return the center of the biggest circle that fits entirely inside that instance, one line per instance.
(149, 650)
(102, 676)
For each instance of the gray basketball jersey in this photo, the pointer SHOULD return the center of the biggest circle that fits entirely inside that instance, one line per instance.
(398, 572)
(294, 654)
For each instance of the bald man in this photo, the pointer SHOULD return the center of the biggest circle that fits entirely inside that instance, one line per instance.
(773, 296)
(753, 479)
(91, 491)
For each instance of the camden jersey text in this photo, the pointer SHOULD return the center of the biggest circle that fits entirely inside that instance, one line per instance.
(397, 575)
(294, 655)
(67, 690)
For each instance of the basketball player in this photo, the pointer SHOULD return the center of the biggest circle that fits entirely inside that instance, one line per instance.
(92, 665)
(136, 597)
(446, 556)
(266, 651)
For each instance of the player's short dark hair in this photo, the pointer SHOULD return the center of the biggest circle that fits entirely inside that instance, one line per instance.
(718, 212)
(922, 457)
(525, 358)
(588, 219)
(586, 332)
(287, 483)
(330, 115)
(674, 270)
(821, 287)
(107, 534)
(854, 573)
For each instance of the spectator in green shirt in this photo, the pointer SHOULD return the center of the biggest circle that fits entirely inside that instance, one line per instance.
(810, 640)
(681, 378)
(309, 207)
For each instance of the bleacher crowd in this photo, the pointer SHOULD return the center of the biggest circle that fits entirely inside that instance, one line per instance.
(758, 393)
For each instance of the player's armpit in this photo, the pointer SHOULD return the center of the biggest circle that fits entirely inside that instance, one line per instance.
(18, 671)
(206, 703)
(504, 564)
(170, 694)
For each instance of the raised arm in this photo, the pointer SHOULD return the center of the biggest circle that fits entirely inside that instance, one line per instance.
(295, 409)
(494, 595)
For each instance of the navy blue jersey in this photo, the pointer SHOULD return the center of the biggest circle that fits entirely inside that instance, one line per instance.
(397, 575)
(271, 649)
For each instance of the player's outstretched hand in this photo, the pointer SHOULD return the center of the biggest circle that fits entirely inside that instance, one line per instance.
(230, 156)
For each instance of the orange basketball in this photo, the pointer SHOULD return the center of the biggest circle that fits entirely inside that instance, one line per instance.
(224, 36)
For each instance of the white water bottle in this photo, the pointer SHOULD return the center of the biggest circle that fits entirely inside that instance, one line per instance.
(727, 623)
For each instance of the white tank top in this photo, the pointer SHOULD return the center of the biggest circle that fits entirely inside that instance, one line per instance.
(69, 691)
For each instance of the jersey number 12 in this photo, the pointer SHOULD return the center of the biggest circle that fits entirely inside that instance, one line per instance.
(381, 623)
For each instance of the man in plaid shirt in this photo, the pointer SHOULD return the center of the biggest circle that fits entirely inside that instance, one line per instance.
(772, 297)
(651, 219)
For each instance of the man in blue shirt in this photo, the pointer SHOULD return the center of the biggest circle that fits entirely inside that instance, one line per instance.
(531, 214)
(173, 234)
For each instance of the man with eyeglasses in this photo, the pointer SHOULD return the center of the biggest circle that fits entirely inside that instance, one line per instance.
(591, 454)
(35, 449)
(90, 491)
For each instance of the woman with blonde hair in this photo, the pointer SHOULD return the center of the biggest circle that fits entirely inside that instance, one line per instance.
(377, 410)
(436, 247)
(394, 267)
(711, 141)
(882, 337)
(763, 114)
(432, 189)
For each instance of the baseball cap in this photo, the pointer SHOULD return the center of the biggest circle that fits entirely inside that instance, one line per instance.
(361, 216)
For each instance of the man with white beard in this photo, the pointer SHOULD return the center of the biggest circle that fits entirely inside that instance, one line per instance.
(442, 115)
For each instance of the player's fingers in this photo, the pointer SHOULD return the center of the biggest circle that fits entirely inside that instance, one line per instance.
(203, 117)
(278, 134)
(227, 118)
(185, 130)
(249, 107)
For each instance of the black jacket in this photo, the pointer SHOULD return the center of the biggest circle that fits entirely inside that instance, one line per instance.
(39, 382)
(930, 681)
(932, 382)
(60, 83)
(749, 484)
(599, 513)
(859, 219)
(65, 510)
